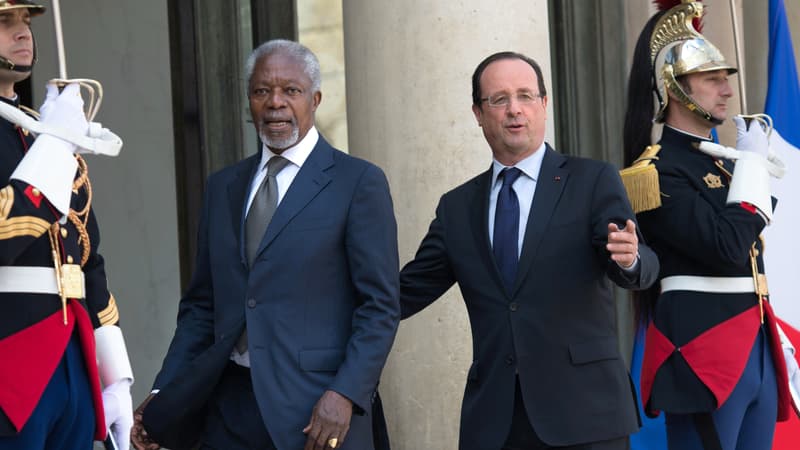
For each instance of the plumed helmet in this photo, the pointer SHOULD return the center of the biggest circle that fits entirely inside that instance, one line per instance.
(677, 49)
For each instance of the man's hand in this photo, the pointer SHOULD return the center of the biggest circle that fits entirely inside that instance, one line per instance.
(119, 411)
(623, 244)
(330, 419)
(64, 110)
(139, 437)
(751, 137)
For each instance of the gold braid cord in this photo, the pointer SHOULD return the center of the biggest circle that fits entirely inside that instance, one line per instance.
(676, 25)
(80, 218)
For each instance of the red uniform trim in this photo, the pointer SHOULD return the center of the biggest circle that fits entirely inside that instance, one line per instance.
(781, 374)
(749, 207)
(36, 199)
(86, 333)
(28, 360)
(717, 356)
(657, 349)
(713, 357)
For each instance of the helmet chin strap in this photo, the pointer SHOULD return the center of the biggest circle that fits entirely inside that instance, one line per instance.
(716, 121)
(8, 65)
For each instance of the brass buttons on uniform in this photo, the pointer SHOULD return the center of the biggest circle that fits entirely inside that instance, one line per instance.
(64, 233)
(69, 259)
(35, 192)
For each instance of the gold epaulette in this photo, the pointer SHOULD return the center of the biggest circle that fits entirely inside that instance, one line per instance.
(641, 181)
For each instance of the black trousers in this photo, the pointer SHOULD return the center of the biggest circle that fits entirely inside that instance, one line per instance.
(234, 421)
(522, 436)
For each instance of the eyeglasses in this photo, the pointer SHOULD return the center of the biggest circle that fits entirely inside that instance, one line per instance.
(502, 100)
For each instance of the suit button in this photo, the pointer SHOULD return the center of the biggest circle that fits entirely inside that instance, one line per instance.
(510, 359)
(251, 302)
(513, 306)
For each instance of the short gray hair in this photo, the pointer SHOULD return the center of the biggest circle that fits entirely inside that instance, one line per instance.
(290, 48)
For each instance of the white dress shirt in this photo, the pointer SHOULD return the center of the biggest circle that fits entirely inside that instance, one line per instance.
(524, 186)
(296, 155)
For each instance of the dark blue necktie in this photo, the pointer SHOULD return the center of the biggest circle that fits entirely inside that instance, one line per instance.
(506, 227)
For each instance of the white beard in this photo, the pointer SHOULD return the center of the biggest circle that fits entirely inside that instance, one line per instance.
(281, 143)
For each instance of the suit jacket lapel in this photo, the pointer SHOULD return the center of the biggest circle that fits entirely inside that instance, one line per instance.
(549, 186)
(480, 224)
(237, 199)
(308, 182)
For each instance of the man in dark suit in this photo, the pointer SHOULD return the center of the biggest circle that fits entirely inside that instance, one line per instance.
(534, 243)
(298, 243)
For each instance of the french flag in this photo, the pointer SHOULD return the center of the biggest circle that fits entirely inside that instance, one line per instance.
(782, 250)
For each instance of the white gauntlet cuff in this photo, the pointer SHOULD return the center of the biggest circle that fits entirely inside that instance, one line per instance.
(112, 356)
(750, 184)
(50, 167)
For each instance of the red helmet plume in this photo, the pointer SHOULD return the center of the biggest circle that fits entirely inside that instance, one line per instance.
(664, 5)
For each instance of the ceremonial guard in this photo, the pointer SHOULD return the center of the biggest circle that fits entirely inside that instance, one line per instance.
(713, 359)
(65, 372)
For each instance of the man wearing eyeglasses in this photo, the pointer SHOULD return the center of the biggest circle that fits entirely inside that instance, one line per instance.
(534, 244)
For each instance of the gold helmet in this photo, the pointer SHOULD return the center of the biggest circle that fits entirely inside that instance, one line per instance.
(677, 49)
(35, 10)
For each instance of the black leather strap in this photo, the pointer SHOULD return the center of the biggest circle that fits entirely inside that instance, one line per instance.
(707, 431)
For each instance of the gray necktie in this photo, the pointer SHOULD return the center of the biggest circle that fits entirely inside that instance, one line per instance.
(263, 207)
(261, 210)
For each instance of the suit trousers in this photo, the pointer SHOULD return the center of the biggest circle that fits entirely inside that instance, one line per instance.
(234, 421)
(522, 436)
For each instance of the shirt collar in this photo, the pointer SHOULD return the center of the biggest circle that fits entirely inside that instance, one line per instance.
(691, 135)
(297, 154)
(530, 166)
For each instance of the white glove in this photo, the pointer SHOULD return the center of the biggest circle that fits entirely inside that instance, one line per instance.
(63, 111)
(752, 139)
(117, 377)
(751, 144)
(118, 409)
(754, 165)
(68, 126)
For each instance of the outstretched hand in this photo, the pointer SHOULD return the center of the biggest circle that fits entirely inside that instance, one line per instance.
(623, 244)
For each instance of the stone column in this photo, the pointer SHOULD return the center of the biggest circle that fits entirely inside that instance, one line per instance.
(408, 69)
